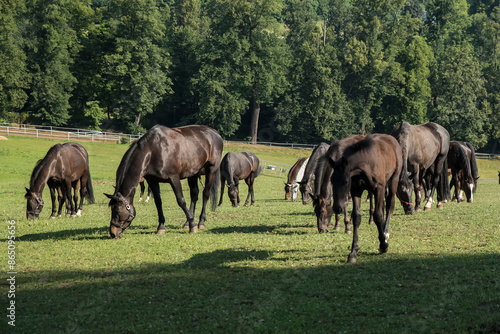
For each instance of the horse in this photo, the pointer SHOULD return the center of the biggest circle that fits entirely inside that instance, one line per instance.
(235, 167)
(294, 177)
(372, 164)
(143, 189)
(306, 183)
(464, 172)
(425, 149)
(323, 186)
(65, 166)
(168, 155)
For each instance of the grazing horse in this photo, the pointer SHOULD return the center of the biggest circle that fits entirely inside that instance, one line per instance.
(425, 149)
(373, 164)
(65, 166)
(167, 155)
(294, 177)
(464, 173)
(306, 183)
(323, 186)
(235, 167)
(143, 189)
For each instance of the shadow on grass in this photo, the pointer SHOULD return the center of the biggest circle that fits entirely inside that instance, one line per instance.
(227, 291)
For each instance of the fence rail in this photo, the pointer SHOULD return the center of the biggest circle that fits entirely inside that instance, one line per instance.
(487, 156)
(65, 133)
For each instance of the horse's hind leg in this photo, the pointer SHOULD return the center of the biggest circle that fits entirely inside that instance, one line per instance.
(249, 181)
(82, 195)
(143, 187)
(210, 182)
(62, 199)
(222, 188)
(356, 221)
(194, 192)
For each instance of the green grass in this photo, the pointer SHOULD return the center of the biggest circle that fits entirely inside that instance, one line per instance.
(261, 269)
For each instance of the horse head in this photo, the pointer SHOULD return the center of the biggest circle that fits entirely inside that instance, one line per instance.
(233, 192)
(34, 204)
(341, 184)
(288, 191)
(405, 192)
(324, 213)
(122, 214)
(306, 191)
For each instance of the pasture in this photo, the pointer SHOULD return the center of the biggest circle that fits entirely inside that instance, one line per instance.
(261, 269)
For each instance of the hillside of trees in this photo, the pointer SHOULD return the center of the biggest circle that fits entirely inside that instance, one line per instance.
(271, 70)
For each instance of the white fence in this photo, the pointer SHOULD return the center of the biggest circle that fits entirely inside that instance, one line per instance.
(68, 134)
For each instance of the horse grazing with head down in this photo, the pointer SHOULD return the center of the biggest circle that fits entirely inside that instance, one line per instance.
(306, 184)
(373, 164)
(65, 166)
(323, 186)
(295, 175)
(425, 149)
(235, 167)
(167, 155)
(464, 172)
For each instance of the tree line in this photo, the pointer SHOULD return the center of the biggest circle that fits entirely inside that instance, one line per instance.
(273, 70)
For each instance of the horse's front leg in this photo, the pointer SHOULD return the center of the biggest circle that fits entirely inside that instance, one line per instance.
(210, 190)
(416, 190)
(53, 199)
(372, 209)
(155, 188)
(66, 187)
(356, 221)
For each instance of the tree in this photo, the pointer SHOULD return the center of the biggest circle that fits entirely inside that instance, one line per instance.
(52, 45)
(135, 67)
(14, 77)
(244, 63)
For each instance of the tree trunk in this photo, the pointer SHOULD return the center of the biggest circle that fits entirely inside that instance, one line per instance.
(255, 121)
(138, 119)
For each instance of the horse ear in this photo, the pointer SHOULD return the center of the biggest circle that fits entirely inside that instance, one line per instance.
(110, 196)
(28, 193)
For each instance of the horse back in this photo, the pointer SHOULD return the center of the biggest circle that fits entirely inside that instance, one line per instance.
(69, 162)
(294, 174)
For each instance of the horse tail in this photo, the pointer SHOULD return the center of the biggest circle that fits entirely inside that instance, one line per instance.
(259, 170)
(214, 191)
(473, 164)
(90, 191)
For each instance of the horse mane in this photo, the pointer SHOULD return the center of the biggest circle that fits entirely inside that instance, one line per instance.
(402, 137)
(360, 146)
(42, 162)
(300, 161)
(151, 135)
(317, 153)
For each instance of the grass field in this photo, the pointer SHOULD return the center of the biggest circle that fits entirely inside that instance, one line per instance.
(261, 269)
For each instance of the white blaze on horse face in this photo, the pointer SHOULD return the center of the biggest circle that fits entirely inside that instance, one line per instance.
(471, 187)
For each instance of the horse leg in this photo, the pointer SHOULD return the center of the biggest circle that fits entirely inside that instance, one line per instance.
(83, 193)
(378, 217)
(149, 194)
(372, 210)
(249, 181)
(416, 190)
(356, 221)
(209, 184)
(155, 188)
(454, 179)
(141, 184)
(222, 188)
(193, 192)
(53, 199)
(61, 198)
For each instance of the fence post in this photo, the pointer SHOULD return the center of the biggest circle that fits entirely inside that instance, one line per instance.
(37, 133)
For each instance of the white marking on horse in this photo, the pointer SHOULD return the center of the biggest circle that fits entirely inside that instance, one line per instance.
(298, 177)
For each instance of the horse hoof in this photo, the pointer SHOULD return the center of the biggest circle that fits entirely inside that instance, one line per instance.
(384, 250)
(337, 228)
(348, 231)
(440, 205)
(160, 232)
(186, 227)
(194, 229)
(201, 227)
(351, 259)
(73, 216)
(52, 217)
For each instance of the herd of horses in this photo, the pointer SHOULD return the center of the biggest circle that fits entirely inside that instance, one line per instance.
(413, 159)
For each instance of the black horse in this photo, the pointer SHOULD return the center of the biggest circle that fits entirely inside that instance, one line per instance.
(235, 167)
(425, 149)
(167, 155)
(464, 172)
(373, 164)
(323, 185)
(306, 184)
(65, 166)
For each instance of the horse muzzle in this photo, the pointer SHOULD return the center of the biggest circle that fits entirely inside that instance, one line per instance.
(115, 232)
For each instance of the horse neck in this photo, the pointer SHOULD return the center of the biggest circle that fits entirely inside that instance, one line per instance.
(129, 175)
(40, 177)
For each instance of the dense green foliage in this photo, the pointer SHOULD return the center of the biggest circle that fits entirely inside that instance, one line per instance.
(261, 269)
(294, 70)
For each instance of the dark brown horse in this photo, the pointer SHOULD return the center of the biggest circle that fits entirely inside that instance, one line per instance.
(307, 182)
(373, 164)
(425, 148)
(65, 166)
(167, 155)
(323, 186)
(235, 167)
(294, 177)
(464, 172)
